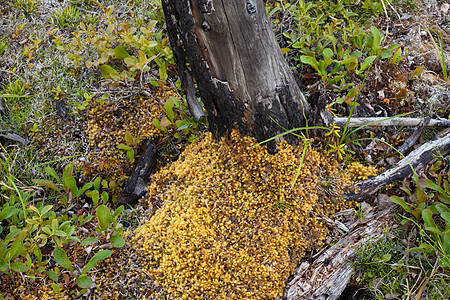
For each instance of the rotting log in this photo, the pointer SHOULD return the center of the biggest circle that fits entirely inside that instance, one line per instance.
(228, 50)
(417, 160)
(328, 275)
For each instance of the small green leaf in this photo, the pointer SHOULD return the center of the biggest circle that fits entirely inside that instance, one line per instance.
(16, 248)
(99, 256)
(401, 202)
(327, 52)
(84, 281)
(7, 212)
(117, 241)
(19, 267)
(427, 216)
(53, 276)
(129, 138)
(84, 189)
(124, 147)
(169, 109)
(118, 211)
(71, 183)
(446, 239)
(61, 258)
(367, 62)
(120, 52)
(434, 230)
(56, 289)
(386, 257)
(52, 172)
(109, 72)
(46, 209)
(103, 216)
(89, 240)
(47, 184)
(97, 183)
(130, 155)
(385, 53)
(310, 61)
(105, 197)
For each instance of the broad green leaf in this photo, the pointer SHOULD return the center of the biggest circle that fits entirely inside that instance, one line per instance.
(446, 239)
(46, 209)
(130, 61)
(108, 72)
(105, 196)
(84, 281)
(103, 216)
(169, 109)
(71, 183)
(367, 62)
(60, 233)
(99, 256)
(56, 289)
(401, 202)
(427, 216)
(129, 138)
(152, 44)
(327, 52)
(310, 61)
(120, 52)
(385, 53)
(89, 240)
(13, 233)
(19, 266)
(97, 183)
(61, 258)
(52, 172)
(433, 229)
(426, 183)
(130, 155)
(53, 276)
(7, 212)
(117, 241)
(16, 248)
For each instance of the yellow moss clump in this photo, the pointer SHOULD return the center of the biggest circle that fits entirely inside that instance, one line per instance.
(230, 226)
(107, 125)
(360, 172)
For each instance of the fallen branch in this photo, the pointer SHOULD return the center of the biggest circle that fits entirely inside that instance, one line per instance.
(376, 122)
(417, 160)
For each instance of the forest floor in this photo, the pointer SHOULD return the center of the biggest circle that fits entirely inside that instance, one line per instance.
(86, 87)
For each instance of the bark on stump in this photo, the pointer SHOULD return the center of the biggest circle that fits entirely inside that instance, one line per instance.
(229, 49)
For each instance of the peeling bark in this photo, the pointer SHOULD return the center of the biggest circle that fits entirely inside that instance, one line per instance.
(228, 47)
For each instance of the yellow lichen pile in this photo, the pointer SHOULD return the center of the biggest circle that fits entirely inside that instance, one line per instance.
(360, 172)
(230, 227)
(107, 126)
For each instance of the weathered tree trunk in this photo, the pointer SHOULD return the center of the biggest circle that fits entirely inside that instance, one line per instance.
(229, 49)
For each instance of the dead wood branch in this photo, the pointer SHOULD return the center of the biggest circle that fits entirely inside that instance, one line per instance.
(356, 122)
(417, 160)
(329, 274)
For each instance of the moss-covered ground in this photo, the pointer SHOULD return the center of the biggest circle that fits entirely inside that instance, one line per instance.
(84, 85)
